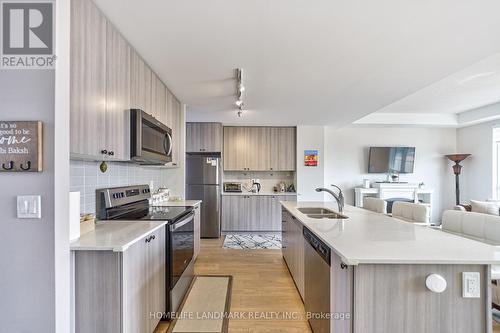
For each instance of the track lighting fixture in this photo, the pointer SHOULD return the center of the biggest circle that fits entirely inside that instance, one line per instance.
(240, 88)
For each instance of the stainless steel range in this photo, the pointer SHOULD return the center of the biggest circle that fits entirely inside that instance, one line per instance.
(131, 203)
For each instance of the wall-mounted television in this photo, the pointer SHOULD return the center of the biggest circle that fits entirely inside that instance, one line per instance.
(391, 160)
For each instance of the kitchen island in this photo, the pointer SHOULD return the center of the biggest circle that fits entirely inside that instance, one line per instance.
(379, 267)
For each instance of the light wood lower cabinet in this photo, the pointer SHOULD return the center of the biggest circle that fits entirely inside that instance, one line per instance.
(121, 291)
(293, 249)
(197, 230)
(252, 212)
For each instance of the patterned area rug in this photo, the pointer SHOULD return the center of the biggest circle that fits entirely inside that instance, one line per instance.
(253, 241)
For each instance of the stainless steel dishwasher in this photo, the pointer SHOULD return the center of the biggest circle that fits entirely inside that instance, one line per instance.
(317, 282)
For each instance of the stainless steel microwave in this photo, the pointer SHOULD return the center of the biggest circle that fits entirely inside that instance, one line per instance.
(151, 140)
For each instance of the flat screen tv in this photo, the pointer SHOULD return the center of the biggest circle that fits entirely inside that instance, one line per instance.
(391, 160)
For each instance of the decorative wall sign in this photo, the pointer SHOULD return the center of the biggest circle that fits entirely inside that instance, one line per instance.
(311, 157)
(21, 146)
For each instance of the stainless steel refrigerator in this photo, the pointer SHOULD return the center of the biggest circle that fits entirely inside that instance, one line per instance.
(203, 183)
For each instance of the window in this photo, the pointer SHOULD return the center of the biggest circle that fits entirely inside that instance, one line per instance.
(496, 163)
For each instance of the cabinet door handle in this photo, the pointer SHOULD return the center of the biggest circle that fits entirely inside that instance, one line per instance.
(343, 266)
(111, 153)
(104, 152)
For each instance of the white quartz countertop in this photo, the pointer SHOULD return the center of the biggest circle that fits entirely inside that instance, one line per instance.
(260, 193)
(371, 238)
(177, 203)
(115, 236)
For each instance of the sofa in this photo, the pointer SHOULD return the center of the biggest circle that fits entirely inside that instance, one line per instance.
(491, 207)
(480, 227)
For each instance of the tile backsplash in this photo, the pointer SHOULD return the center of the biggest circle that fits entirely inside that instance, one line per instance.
(86, 177)
(267, 179)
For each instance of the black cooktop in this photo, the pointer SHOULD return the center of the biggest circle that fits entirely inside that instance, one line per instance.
(155, 213)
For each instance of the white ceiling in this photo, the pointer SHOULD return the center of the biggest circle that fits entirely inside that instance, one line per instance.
(473, 87)
(322, 62)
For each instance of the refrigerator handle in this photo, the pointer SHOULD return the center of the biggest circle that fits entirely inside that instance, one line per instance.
(217, 176)
(217, 200)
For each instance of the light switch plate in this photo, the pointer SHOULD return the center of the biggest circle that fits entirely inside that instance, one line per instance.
(471, 285)
(29, 207)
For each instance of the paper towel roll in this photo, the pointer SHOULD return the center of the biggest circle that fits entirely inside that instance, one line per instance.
(74, 215)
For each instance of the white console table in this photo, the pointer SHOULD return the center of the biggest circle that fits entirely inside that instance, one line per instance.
(394, 190)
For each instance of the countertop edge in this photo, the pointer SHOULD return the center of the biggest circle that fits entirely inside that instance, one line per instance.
(118, 248)
(361, 261)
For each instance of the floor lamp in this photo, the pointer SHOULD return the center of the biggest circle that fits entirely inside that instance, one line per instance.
(457, 168)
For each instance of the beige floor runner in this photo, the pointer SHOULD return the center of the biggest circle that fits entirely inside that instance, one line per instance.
(204, 308)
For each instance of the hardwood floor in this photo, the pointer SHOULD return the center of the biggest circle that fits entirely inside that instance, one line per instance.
(261, 283)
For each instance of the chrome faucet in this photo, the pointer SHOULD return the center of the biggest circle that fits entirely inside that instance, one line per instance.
(339, 198)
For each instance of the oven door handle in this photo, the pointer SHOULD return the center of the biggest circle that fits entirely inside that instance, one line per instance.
(182, 222)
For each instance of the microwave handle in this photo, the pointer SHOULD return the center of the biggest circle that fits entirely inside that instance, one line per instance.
(168, 150)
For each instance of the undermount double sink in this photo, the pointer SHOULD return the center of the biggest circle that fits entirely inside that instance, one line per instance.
(321, 213)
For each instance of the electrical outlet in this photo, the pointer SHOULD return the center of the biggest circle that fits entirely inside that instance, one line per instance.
(471, 285)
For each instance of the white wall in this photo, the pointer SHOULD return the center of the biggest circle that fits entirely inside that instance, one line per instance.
(477, 173)
(346, 159)
(309, 178)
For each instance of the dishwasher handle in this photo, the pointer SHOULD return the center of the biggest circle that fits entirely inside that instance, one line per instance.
(318, 245)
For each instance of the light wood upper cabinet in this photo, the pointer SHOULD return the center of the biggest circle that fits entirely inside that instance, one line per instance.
(169, 99)
(203, 137)
(88, 79)
(117, 95)
(108, 77)
(259, 148)
(235, 148)
(283, 148)
(158, 99)
(141, 78)
(175, 122)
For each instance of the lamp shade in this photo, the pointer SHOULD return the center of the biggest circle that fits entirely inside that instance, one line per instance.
(457, 158)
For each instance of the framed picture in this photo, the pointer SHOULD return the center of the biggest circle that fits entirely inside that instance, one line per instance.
(311, 157)
(21, 146)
